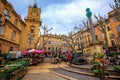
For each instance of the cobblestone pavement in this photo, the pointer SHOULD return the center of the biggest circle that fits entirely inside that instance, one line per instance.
(42, 72)
(42, 76)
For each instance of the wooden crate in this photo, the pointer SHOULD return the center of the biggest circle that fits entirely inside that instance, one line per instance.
(18, 74)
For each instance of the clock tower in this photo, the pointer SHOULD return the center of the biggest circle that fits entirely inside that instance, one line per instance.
(33, 23)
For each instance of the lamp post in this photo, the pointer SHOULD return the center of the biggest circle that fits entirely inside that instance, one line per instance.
(89, 14)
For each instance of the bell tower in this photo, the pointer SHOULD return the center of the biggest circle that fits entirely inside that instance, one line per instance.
(33, 23)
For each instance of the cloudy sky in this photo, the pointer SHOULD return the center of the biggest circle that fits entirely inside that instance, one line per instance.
(63, 15)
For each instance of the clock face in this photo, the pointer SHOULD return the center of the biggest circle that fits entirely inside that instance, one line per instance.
(34, 13)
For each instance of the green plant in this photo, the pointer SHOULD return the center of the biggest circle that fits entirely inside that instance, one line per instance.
(112, 54)
(107, 73)
(117, 68)
(99, 69)
(96, 72)
(100, 56)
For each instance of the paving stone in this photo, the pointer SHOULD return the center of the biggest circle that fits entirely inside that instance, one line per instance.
(42, 76)
(41, 71)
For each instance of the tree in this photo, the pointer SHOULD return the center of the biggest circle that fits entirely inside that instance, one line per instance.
(37, 41)
(102, 27)
(70, 40)
(80, 28)
(45, 35)
(116, 8)
(80, 42)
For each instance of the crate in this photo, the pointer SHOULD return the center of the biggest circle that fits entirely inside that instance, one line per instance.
(18, 74)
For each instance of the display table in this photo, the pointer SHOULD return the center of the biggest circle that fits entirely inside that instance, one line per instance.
(14, 71)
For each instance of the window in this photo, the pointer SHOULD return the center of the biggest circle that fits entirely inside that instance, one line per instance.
(111, 35)
(48, 48)
(49, 42)
(96, 37)
(115, 19)
(32, 29)
(52, 48)
(6, 13)
(11, 49)
(1, 29)
(13, 35)
(119, 38)
(108, 28)
(56, 48)
(118, 29)
(52, 42)
(113, 42)
(107, 21)
(16, 21)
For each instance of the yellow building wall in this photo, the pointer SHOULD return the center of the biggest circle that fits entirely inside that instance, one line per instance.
(32, 19)
(6, 40)
(55, 41)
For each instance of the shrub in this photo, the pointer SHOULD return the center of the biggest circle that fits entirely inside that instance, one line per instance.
(100, 56)
(114, 53)
(96, 72)
(107, 73)
(117, 68)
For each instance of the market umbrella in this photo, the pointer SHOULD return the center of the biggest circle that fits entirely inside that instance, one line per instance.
(31, 51)
(24, 52)
(38, 51)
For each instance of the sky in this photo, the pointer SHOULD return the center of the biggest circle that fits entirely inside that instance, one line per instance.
(63, 15)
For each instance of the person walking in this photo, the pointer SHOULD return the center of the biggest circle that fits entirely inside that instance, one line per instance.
(69, 56)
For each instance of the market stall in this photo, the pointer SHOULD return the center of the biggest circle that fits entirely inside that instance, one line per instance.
(35, 56)
(14, 70)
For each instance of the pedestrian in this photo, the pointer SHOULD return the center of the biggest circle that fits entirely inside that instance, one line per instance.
(69, 56)
(107, 52)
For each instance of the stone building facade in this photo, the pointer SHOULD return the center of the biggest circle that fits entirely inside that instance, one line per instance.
(15, 34)
(11, 27)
